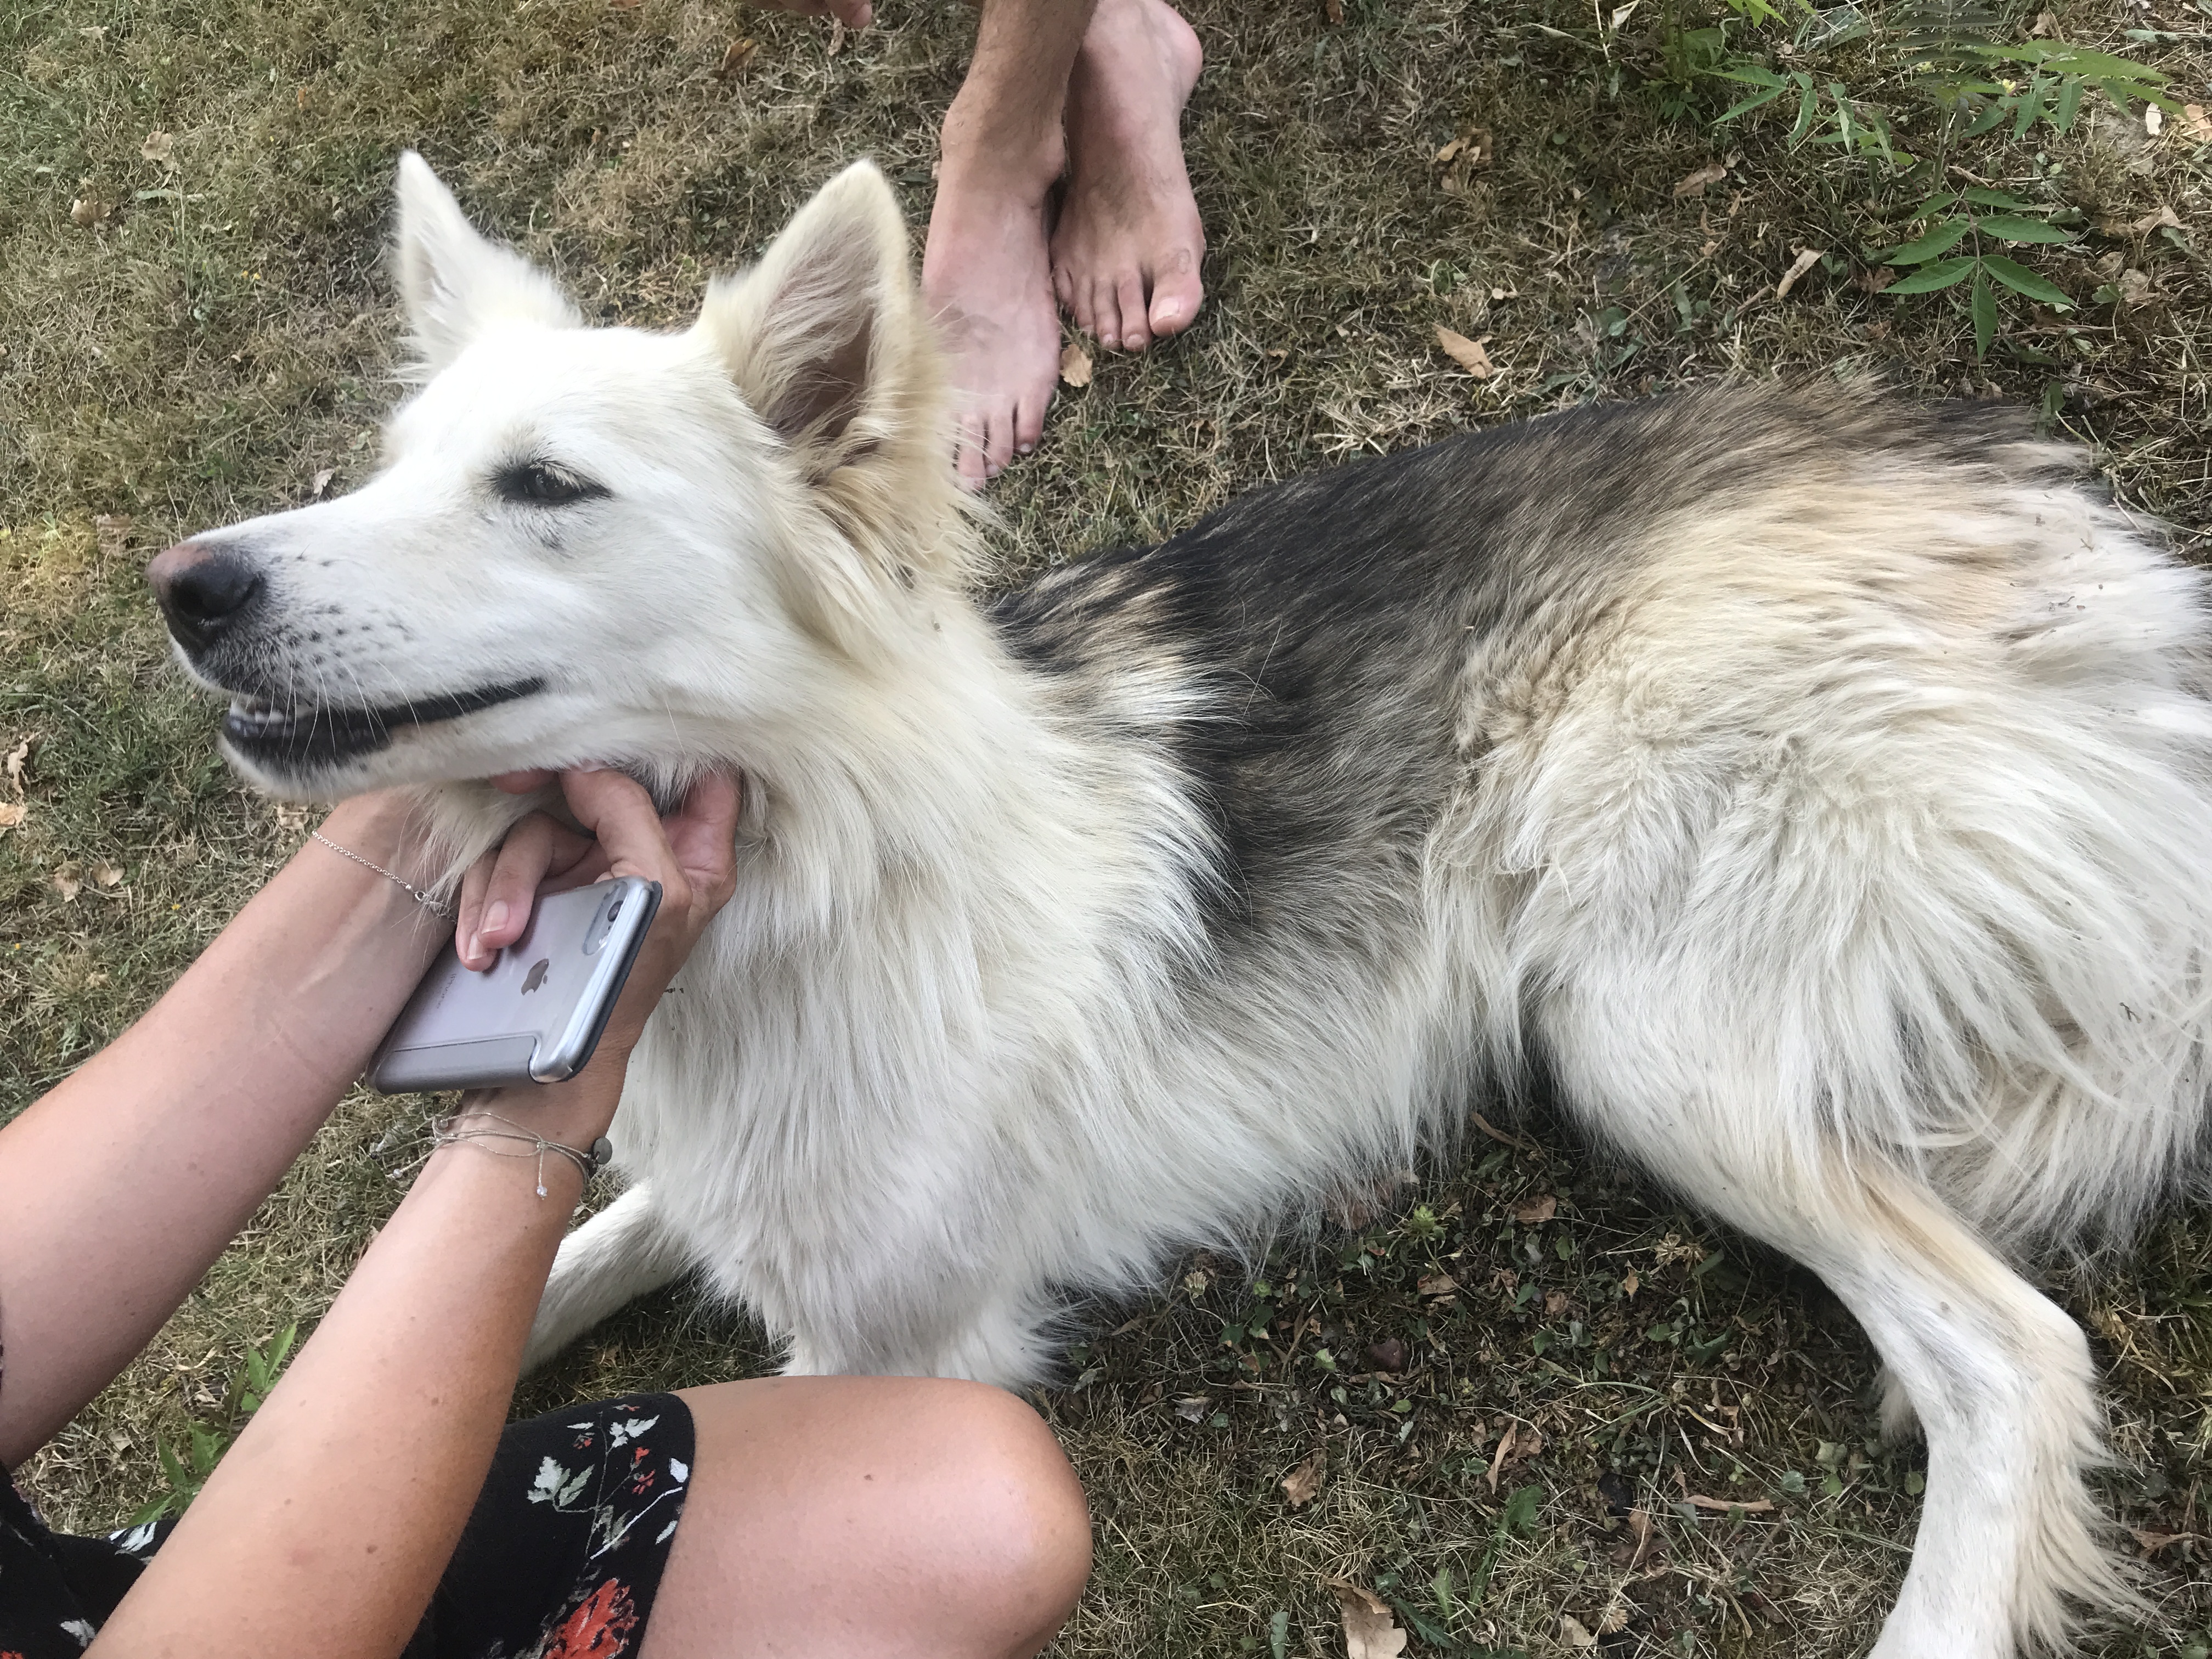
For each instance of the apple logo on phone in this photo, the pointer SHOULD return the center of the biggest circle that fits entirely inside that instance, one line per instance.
(537, 974)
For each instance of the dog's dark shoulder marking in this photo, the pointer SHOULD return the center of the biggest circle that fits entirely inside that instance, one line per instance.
(1324, 621)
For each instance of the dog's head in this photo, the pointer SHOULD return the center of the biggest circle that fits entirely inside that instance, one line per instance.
(593, 544)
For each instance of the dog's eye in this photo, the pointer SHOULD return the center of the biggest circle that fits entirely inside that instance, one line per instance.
(544, 484)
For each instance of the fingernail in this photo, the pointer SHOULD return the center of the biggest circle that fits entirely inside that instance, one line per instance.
(475, 949)
(494, 918)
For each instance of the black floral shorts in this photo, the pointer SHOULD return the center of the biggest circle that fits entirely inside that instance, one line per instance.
(560, 1558)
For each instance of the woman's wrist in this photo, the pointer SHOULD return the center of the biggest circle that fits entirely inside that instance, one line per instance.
(574, 1114)
(386, 827)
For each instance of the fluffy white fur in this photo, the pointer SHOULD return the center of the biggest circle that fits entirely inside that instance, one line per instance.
(1848, 866)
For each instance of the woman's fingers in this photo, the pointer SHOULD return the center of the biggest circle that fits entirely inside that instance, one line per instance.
(690, 853)
(501, 887)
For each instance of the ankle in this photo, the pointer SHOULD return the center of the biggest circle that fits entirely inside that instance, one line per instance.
(984, 152)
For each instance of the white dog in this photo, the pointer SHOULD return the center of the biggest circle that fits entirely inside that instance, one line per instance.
(1815, 791)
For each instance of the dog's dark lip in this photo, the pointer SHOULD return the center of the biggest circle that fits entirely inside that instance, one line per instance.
(300, 738)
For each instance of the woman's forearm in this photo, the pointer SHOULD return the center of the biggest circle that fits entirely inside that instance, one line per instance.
(132, 1175)
(341, 1501)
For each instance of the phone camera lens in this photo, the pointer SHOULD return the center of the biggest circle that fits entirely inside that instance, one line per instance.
(614, 909)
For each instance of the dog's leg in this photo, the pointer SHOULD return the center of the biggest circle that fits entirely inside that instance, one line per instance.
(2002, 1385)
(1999, 1378)
(617, 1256)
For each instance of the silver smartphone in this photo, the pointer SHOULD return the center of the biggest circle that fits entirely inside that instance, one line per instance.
(536, 1014)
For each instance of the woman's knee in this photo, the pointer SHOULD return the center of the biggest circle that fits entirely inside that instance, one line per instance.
(1013, 1531)
(920, 1515)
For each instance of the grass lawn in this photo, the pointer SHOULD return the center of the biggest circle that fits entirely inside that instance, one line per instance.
(1523, 1387)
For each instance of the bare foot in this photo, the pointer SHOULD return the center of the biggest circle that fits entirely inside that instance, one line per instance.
(987, 279)
(1125, 256)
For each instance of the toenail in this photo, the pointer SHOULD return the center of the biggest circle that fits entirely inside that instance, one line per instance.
(1026, 448)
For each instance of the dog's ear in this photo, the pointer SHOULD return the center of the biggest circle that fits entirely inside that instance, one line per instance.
(826, 341)
(454, 283)
(815, 333)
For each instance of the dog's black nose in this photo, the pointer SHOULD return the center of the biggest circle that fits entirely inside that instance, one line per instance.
(203, 590)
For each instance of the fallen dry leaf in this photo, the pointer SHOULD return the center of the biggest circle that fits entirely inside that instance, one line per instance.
(1196, 1281)
(1334, 11)
(12, 814)
(1467, 354)
(735, 56)
(113, 530)
(2046, 24)
(1520, 1442)
(1193, 1408)
(1630, 1284)
(1804, 262)
(1723, 1505)
(19, 762)
(1301, 1483)
(159, 147)
(1615, 1617)
(1874, 278)
(2135, 289)
(1574, 1633)
(1437, 1284)
(1693, 184)
(319, 484)
(1369, 1632)
(2153, 119)
(299, 97)
(1387, 1355)
(105, 874)
(1075, 364)
(1534, 1211)
(2150, 1543)
(90, 210)
(2193, 122)
(66, 881)
(1555, 1304)
(2151, 221)
(1640, 1535)
(1519, 1142)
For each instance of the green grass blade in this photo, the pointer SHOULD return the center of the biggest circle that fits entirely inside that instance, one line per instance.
(1941, 240)
(1984, 307)
(1928, 279)
(2009, 227)
(2019, 279)
(1750, 104)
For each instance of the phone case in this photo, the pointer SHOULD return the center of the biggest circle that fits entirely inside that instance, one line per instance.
(536, 1014)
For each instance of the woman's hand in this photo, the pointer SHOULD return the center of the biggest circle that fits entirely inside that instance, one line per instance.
(691, 853)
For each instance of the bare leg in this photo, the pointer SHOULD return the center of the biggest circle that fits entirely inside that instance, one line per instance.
(1125, 256)
(871, 1518)
(985, 272)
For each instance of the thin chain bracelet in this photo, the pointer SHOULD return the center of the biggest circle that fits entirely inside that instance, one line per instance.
(444, 1133)
(436, 906)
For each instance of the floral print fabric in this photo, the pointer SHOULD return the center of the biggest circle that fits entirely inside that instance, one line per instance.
(561, 1560)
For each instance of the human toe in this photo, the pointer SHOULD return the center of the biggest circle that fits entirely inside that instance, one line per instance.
(1177, 297)
(1106, 314)
(969, 459)
(1129, 296)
